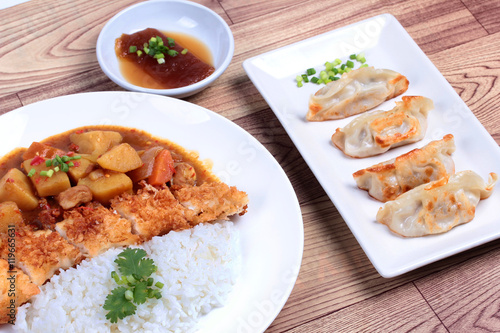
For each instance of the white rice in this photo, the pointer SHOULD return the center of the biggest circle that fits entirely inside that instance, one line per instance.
(197, 266)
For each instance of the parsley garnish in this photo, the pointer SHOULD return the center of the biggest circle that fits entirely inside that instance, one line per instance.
(138, 285)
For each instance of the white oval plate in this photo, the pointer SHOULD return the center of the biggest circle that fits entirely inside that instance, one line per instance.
(272, 234)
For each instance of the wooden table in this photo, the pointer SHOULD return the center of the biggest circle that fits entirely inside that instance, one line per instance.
(47, 49)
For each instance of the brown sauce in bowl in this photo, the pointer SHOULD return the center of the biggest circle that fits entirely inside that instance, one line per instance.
(179, 71)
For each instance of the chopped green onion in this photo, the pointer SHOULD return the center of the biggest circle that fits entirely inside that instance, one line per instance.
(311, 71)
(352, 56)
(336, 78)
(364, 65)
(71, 164)
(159, 284)
(159, 55)
(32, 172)
(43, 173)
(48, 163)
(184, 51)
(349, 64)
(172, 53)
(304, 76)
(161, 61)
(150, 282)
(56, 169)
(77, 157)
(115, 276)
(50, 173)
(132, 49)
(314, 79)
(153, 39)
(64, 167)
(337, 62)
(342, 67)
(146, 49)
(65, 158)
(171, 42)
(300, 84)
(129, 295)
(139, 53)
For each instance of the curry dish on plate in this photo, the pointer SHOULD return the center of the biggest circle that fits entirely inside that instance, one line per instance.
(74, 195)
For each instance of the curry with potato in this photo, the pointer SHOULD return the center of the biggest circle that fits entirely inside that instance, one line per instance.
(105, 161)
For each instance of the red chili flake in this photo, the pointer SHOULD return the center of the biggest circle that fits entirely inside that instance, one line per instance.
(75, 163)
(37, 160)
(74, 147)
(70, 153)
(9, 180)
(80, 131)
(38, 180)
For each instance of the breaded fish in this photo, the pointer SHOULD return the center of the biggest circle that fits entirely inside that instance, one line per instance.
(211, 201)
(94, 229)
(41, 253)
(15, 290)
(152, 211)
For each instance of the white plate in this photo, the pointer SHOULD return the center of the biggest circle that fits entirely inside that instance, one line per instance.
(386, 45)
(272, 234)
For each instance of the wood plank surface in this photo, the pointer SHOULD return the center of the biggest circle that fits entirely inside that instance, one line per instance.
(47, 49)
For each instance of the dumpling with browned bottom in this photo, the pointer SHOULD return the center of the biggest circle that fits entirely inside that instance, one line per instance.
(387, 180)
(376, 132)
(438, 206)
(357, 91)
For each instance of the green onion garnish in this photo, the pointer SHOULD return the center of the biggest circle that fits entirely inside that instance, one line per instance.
(132, 49)
(184, 51)
(311, 71)
(32, 172)
(349, 64)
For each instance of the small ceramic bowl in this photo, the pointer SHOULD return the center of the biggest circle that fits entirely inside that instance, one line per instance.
(178, 16)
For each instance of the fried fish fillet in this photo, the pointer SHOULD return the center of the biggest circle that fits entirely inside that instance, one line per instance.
(94, 229)
(15, 290)
(41, 253)
(152, 211)
(211, 201)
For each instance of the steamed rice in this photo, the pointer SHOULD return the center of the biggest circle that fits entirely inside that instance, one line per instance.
(197, 266)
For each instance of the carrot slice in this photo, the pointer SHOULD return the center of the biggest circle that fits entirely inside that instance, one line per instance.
(163, 168)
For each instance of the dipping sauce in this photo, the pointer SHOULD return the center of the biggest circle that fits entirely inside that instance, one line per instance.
(177, 71)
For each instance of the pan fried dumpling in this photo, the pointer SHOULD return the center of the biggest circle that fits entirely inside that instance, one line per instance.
(438, 206)
(387, 180)
(357, 91)
(376, 132)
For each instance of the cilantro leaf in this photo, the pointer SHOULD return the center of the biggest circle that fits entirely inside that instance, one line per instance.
(132, 262)
(118, 306)
(141, 292)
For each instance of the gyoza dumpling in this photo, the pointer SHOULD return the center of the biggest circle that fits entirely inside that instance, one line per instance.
(438, 206)
(357, 91)
(376, 132)
(387, 180)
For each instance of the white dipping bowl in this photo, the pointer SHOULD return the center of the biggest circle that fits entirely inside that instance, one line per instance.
(179, 16)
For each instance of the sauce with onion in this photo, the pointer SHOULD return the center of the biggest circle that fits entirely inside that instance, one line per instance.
(179, 71)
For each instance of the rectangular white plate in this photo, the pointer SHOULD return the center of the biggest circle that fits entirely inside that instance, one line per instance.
(386, 45)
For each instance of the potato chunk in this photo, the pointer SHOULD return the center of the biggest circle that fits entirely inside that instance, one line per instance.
(15, 186)
(95, 143)
(121, 158)
(10, 215)
(82, 168)
(105, 185)
(47, 186)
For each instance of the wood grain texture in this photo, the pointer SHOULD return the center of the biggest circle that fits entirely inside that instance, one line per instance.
(338, 289)
(466, 297)
(486, 12)
(371, 315)
(475, 75)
